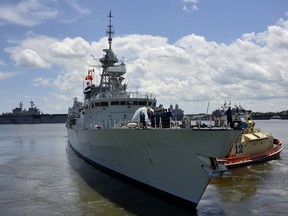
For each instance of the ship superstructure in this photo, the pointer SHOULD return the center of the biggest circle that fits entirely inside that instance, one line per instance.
(109, 103)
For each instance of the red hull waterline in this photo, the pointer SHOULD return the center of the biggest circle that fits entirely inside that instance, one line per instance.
(244, 160)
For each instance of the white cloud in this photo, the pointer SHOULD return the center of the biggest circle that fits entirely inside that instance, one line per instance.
(31, 52)
(190, 5)
(251, 70)
(74, 4)
(27, 12)
(40, 81)
(29, 58)
(70, 47)
(34, 12)
(5, 75)
(43, 52)
(2, 62)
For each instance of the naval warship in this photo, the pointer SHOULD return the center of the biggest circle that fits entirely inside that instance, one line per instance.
(31, 116)
(120, 131)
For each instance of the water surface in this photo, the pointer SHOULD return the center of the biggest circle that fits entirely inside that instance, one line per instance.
(41, 175)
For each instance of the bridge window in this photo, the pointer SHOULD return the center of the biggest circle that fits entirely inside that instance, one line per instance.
(143, 103)
(114, 102)
(104, 103)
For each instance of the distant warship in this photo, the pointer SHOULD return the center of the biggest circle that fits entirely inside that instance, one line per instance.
(31, 116)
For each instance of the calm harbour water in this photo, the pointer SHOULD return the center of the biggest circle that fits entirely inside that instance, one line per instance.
(41, 175)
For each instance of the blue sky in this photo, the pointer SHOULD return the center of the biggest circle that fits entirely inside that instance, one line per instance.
(185, 52)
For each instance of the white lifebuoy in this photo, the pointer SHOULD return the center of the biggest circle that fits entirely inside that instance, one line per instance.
(132, 125)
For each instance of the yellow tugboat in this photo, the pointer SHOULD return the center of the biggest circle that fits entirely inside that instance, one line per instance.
(252, 146)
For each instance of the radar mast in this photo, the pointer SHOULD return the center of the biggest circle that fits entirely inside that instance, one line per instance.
(110, 81)
(110, 30)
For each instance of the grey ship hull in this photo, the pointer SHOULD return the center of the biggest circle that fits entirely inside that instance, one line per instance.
(163, 159)
(33, 119)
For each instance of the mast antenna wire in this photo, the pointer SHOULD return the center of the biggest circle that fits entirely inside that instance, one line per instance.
(110, 30)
